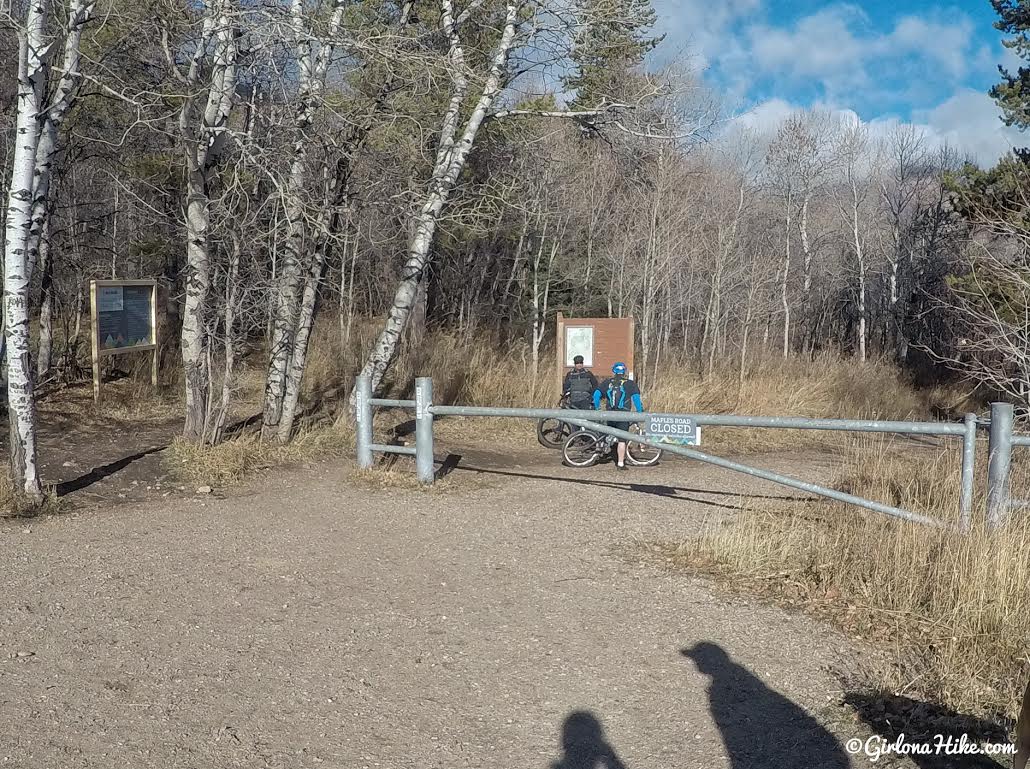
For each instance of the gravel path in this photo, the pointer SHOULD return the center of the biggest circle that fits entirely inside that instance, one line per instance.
(303, 622)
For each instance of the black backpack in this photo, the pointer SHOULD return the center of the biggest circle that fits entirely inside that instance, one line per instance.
(581, 390)
(616, 393)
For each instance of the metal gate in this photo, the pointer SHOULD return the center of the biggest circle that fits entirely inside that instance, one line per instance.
(1002, 439)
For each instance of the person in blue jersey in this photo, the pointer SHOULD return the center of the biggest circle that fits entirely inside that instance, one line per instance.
(620, 394)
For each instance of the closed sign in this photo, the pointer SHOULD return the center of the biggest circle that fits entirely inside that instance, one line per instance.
(669, 429)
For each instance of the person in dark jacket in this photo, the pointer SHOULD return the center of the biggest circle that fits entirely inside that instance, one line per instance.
(579, 385)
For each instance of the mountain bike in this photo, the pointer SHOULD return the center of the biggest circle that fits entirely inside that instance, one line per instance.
(552, 433)
(586, 448)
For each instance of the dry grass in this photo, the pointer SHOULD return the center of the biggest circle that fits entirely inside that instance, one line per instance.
(953, 610)
(233, 460)
(15, 506)
(496, 372)
(490, 372)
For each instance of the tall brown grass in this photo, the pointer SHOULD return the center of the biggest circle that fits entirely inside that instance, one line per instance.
(491, 371)
(952, 610)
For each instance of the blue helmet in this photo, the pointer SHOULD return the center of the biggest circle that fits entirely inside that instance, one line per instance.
(619, 368)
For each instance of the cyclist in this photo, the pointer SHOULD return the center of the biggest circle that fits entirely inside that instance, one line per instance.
(620, 392)
(579, 385)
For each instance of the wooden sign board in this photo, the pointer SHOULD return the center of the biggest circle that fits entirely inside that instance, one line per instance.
(123, 318)
(601, 341)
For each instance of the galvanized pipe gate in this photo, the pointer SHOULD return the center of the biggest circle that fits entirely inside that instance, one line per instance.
(1002, 440)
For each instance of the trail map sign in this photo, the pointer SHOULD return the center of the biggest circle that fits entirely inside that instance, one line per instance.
(601, 342)
(123, 316)
(579, 340)
(682, 431)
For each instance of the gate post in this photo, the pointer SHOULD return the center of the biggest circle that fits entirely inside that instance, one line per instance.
(424, 430)
(363, 420)
(999, 457)
(968, 462)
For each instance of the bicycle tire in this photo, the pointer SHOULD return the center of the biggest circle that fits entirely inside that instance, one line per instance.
(642, 454)
(580, 450)
(552, 433)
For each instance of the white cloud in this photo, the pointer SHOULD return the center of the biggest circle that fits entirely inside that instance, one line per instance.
(968, 122)
(705, 32)
(821, 45)
(766, 117)
(837, 49)
(838, 53)
(945, 44)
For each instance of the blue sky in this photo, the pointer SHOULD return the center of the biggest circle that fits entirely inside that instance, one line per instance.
(888, 61)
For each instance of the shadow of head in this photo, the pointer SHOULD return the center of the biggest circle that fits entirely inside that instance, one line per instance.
(760, 727)
(711, 659)
(584, 745)
(581, 732)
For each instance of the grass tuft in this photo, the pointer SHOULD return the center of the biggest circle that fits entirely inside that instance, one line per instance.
(237, 458)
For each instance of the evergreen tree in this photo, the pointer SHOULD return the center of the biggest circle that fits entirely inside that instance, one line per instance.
(605, 52)
(1013, 92)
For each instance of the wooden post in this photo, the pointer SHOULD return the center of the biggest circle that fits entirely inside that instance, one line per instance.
(632, 345)
(94, 325)
(153, 334)
(559, 348)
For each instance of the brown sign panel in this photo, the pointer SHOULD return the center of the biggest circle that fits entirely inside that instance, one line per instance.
(601, 341)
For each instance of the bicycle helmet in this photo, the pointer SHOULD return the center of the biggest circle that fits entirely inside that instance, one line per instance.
(619, 368)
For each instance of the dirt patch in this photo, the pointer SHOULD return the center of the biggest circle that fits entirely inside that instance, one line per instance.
(304, 621)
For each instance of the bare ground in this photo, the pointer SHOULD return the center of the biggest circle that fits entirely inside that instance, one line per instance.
(310, 620)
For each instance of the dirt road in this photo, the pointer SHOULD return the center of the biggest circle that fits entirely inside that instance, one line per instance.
(306, 622)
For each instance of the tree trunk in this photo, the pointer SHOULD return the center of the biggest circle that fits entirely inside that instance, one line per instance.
(784, 298)
(450, 160)
(21, 405)
(860, 257)
(48, 147)
(298, 359)
(312, 67)
(232, 301)
(202, 137)
(806, 290)
(44, 355)
(194, 340)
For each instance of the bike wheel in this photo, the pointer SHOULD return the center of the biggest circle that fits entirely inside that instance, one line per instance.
(642, 454)
(581, 450)
(552, 433)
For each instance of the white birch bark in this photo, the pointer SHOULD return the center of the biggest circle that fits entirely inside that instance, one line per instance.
(203, 136)
(79, 14)
(860, 258)
(784, 295)
(44, 353)
(312, 65)
(542, 297)
(21, 403)
(450, 160)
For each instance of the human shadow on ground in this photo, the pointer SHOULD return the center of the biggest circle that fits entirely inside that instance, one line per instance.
(891, 716)
(584, 745)
(761, 728)
(654, 489)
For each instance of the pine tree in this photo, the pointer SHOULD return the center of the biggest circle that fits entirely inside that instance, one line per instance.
(1013, 92)
(615, 41)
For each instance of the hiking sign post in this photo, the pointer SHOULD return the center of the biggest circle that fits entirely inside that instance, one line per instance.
(601, 341)
(123, 318)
